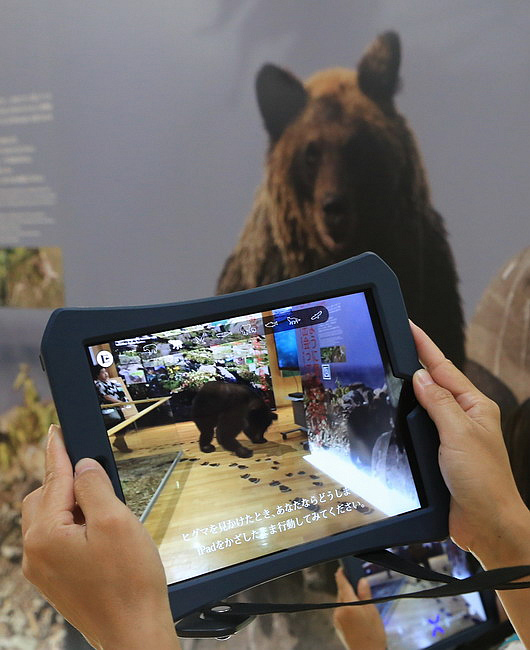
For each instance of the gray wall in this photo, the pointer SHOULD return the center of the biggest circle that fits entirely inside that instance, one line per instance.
(157, 145)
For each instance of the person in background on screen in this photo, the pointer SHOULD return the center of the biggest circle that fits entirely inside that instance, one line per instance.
(111, 392)
(362, 627)
(90, 556)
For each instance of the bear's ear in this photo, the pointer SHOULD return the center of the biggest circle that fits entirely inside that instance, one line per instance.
(281, 98)
(378, 70)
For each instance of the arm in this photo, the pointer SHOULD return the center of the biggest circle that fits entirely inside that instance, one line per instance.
(92, 559)
(487, 516)
(110, 398)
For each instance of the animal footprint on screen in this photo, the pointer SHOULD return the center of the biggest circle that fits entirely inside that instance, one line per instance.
(289, 474)
(253, 479)
(245, 475)
(364, 510)
(242, 467)
(318, 483)
(284, 488)
(274, 483)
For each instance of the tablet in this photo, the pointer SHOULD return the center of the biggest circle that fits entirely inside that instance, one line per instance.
(190, 410)
(430, 623)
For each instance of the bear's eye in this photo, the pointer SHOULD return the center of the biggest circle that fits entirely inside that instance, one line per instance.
(312, 154)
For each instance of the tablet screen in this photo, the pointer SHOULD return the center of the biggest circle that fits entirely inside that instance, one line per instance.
(423, 623)
(245, 436)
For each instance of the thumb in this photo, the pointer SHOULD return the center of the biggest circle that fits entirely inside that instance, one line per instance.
(363, 589)
(93, 490)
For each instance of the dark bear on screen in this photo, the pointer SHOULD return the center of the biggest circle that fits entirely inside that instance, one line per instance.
(343, 176)
(226, 409)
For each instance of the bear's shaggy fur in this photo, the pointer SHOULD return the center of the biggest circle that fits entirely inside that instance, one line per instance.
(344, 176)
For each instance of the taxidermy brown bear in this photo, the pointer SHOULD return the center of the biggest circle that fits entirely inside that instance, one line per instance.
(343, 176)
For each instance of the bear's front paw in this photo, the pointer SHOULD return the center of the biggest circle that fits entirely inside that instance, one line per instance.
(260, 441)
(243, 452)
(207, 448)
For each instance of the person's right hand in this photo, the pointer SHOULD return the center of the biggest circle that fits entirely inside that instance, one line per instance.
(487, 512)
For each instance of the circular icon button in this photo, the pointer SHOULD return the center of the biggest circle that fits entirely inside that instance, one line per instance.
(104, 358)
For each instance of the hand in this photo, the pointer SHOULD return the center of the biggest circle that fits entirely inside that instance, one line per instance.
(486, 508)
(357, 627)
(92, 559)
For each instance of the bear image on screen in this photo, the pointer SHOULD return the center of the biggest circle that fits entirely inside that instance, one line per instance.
(227, 457)
(223, 409)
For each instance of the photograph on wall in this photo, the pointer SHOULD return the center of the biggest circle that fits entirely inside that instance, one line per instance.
(31, 278)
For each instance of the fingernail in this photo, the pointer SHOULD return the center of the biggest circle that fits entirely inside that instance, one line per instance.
(84, 465)
(54, 436)
(52, 432)
(423, 377)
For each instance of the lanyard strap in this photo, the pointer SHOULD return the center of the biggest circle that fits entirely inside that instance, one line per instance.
(499, 579)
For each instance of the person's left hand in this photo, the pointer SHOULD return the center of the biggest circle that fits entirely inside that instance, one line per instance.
(357, 627)
(92, 559)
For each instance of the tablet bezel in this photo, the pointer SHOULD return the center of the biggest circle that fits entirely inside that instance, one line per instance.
(64, 358)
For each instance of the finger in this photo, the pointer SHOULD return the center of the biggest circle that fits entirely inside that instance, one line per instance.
(58, 493)
(345, 591)
(31, 506)
(93, 490)
(363, 589)
(428, 352)
(442, 407)
(443, 372)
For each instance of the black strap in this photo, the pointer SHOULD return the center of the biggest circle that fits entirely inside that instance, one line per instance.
(499, 579)
(394, 562)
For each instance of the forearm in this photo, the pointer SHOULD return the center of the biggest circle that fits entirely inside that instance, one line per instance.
(153, 632)
(511, 547)
(111, 400)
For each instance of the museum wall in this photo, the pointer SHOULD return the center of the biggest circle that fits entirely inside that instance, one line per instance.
(153, 145)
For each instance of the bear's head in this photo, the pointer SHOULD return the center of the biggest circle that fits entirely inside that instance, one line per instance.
(259, 419)
(340, 155)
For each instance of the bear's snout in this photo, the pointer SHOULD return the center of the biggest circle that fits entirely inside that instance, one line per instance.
(334, 209)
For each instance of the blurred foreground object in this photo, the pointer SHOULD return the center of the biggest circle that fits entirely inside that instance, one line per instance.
(26, 620)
